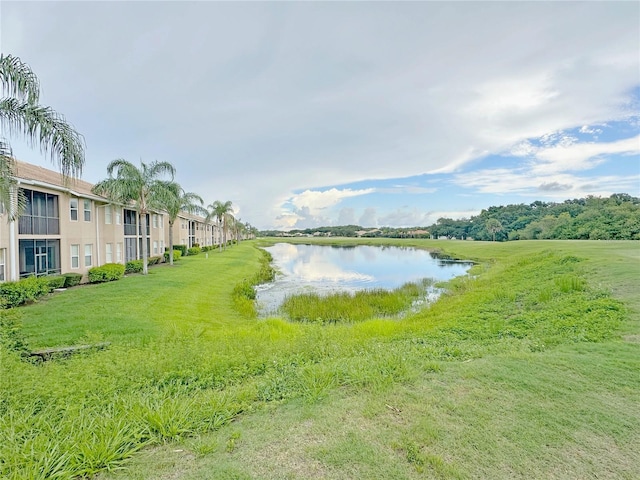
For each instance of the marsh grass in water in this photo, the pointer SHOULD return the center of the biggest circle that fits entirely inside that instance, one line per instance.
(348, 307)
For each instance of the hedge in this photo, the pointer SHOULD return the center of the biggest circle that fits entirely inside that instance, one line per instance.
(56, 281)
(133, 266)
(71, 279)
(194, 250)
(154, 260)
(176, 255)
(106, 273)
(28, 289)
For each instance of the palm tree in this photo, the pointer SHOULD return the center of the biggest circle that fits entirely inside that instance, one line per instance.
(220, 211)
(139, 187)
(493, 225)
(228, 227)
(21, 114)
(242, 230)
(180, 201)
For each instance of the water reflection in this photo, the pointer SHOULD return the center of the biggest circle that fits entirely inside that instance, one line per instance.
(326, 269)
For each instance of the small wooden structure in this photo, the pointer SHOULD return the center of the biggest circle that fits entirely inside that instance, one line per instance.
(51, 353)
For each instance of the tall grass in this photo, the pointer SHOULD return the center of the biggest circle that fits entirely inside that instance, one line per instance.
(185, 361)
(347, 307)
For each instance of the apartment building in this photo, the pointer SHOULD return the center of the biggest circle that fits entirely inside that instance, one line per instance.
(191, 230)
(66, 228)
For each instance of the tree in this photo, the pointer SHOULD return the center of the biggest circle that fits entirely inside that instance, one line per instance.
(21, 114)
(229, 228)
(180, 201)
(493, 226)
(139, 187)
(220, 211)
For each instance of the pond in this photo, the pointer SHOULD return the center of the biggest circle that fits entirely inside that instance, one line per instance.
(328, 269)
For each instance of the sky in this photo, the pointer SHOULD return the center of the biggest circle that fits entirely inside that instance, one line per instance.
(307, 114)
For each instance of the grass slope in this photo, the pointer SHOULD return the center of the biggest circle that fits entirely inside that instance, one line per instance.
(527, 370)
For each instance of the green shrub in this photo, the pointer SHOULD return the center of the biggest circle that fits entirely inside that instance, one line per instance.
(245, 289)
(13, 294)
(56, 281)
(182, 249)
(71, 279)
(206, 248)
(133, 266)
(176, 255)
(106, 273)
(154, 260)
(194, 251)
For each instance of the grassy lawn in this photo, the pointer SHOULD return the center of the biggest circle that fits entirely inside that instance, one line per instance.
(527, 369)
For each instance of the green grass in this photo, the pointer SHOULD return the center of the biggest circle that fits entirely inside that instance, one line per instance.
(528, 369)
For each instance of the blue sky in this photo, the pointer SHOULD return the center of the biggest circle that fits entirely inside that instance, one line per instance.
(323, 113)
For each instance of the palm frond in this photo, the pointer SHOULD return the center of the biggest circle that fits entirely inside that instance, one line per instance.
(156, 169)
(45, 127)
(18, 80)
(12, 198)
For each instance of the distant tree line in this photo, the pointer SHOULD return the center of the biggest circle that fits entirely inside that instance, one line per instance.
(592, 218)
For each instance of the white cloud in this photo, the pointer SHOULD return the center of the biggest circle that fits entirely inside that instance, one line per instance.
(590, 130)
(316, 200)
(506, 96)
(580, 156)
(369, 218)
(347, 216)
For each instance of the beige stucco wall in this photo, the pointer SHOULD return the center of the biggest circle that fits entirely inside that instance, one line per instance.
(95, 231)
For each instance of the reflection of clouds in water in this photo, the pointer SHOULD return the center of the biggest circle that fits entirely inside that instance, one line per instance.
(347, 255)
(284, 252)
(320, 270)
(369, 254)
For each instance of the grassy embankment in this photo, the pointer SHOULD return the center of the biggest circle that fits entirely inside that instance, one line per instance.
(529, 370)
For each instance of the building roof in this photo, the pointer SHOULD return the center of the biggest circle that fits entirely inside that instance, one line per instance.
(26, 171)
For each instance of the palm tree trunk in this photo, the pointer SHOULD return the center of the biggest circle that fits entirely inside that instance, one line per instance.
(220, 231)
(170, 243)
(143, 228)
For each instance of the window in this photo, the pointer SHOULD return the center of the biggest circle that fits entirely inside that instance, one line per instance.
(155, 220)
(118, 252)
(145, 228)
(118, 217)
(3, 255)
(75, 256)
(73, 208)
(129, 222)
(130, 249)
(161, 221)
(41, 216)
(155, 247)
(39, 257)
(87, 210)
(107, 215)
(108, 253)
(161, 246)
(88, 253)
